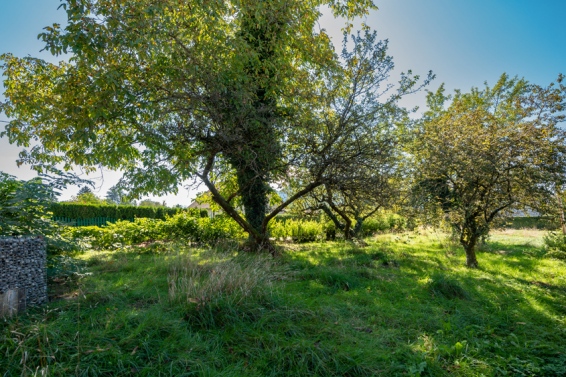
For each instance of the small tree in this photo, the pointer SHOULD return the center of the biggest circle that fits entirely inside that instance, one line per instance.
(24, 206)
(84, 190)
(152, 203)
(117, 195)
(490, 151)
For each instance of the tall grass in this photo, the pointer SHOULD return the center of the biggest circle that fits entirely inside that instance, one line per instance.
(400, 306)
(222, 277)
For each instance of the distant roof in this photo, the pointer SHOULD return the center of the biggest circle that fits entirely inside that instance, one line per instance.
(194, 204)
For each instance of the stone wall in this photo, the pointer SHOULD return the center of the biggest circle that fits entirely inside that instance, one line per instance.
(23, 272)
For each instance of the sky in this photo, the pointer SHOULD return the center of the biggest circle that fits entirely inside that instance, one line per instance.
(465, 43)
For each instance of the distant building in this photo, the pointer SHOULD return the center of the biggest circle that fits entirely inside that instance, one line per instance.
(204, 206)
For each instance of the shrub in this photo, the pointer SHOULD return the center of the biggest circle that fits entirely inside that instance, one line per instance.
(24, 207)
(526, 222)
(297, 230)
(383, 222)
(181, 226)
(555, 244)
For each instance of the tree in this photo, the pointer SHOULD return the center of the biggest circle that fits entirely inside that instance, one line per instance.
(488, 152)
(84, 191)
(367, 110)
(141, 93)
(151, 203)
(117, 195)
(24, 206)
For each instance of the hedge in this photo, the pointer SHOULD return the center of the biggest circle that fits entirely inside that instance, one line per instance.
(74, 212)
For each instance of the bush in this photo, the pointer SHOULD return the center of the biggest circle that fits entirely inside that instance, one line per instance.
(24, 207)
(525, 222)
(297, 230)
(383, 222)
(181, 226)
(555, 244)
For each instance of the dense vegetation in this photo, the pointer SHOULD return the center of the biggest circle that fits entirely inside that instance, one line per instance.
(116, 212)
(342, 219)
(404, 305)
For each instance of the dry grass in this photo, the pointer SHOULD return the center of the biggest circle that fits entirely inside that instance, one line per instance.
(193, 279)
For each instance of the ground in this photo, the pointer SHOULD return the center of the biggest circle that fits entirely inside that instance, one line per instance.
(404, 305)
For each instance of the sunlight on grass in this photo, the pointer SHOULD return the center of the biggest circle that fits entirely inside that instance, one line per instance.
(405, 305)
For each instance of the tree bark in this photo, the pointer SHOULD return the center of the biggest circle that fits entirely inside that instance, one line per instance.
(471, 259)
(469, 239)
(358, 226)
(561, 209)
(254, 199)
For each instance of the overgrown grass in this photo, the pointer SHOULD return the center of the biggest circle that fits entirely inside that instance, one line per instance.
(403, 305)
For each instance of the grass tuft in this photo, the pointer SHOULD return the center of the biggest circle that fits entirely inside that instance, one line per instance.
(442, 286)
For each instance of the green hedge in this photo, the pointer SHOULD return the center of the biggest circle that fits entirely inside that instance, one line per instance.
(545, 223)
(72, 212)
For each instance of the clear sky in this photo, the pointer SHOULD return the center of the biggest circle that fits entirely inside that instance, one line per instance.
(464, 42)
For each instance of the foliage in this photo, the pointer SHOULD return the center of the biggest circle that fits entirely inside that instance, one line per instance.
(383, 222)
(527, 222)
(122, 212)
(555, 243)
(327, 309)
(182, 226)
(84, 190)
(369, 177)
(142, 95)
(25, 211)
(24, 206)
(87, 198)
(297, 230)
(117, 195)
(490, 151)
(151, 203)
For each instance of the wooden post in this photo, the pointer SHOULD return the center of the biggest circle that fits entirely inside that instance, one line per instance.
(12, 302)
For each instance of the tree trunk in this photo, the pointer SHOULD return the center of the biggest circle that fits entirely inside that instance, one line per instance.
(254, 199)
(561, 209)
(358, 226)
(470, 234)
(471, 260)
(348, 230)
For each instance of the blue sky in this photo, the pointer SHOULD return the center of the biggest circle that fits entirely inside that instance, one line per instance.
(464, 42)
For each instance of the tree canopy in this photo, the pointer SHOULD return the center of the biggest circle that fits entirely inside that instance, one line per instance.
(171, 90)
(491, 151)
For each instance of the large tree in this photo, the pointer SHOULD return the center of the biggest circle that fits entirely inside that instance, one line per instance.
(170, 90)
(490, 151)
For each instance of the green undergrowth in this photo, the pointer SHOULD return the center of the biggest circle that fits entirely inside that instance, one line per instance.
(404, 305)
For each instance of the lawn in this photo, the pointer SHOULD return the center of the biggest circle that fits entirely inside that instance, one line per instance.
(404, 304)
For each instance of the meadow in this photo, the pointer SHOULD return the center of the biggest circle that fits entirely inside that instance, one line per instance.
(396, 305)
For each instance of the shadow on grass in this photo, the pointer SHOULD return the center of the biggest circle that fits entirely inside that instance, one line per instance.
(389, 309)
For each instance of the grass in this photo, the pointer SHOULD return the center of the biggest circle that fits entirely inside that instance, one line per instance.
(404, 305)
